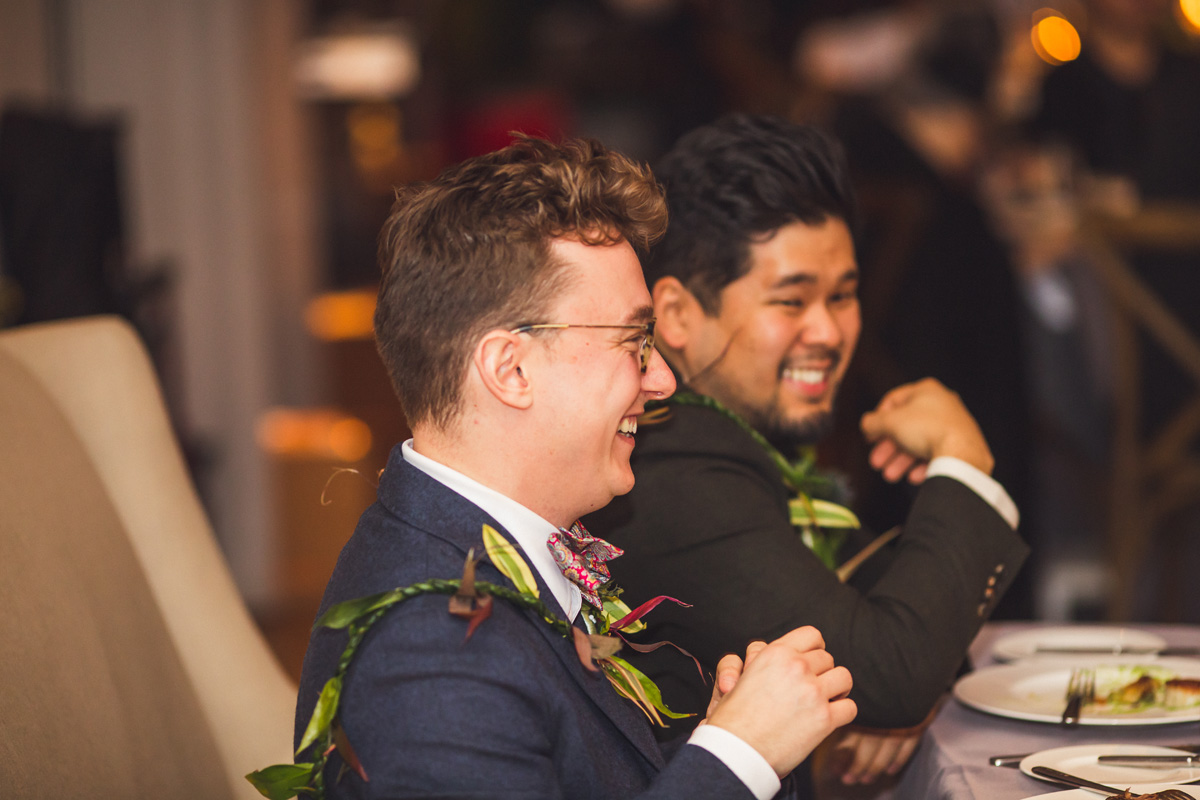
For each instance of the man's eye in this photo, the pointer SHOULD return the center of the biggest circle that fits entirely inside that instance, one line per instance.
(844, 297)
(789, 302)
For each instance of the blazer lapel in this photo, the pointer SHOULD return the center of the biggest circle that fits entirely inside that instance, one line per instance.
(429, 505)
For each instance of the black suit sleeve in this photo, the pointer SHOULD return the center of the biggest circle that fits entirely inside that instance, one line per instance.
(715, 533)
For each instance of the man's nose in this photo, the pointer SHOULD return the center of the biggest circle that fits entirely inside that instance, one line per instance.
(820, 326)
(658, 381)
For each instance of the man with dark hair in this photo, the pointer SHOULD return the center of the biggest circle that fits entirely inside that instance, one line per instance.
(516, 325)
(755, 291)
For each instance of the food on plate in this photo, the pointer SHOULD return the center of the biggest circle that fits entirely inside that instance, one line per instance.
(1129, 688)
(1181, 692)
(1141, 692)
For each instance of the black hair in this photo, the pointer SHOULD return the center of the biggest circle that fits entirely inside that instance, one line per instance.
(736, 181)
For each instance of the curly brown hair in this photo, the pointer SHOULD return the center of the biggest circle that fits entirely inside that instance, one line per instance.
(469, 252)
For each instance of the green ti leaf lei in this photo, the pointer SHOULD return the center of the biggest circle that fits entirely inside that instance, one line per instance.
(472, 599)
(821, 524)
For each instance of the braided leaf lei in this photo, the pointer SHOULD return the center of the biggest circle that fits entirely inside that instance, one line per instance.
(821, 524)
(472, 600)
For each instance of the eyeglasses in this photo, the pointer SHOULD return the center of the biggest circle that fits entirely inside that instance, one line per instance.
(644, 349)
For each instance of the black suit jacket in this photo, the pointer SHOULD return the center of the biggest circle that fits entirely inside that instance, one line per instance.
(707, 522)
(509, 713)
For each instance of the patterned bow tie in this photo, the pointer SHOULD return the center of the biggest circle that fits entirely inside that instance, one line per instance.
(581, 558)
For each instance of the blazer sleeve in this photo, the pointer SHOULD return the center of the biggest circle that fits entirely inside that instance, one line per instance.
(712, 532)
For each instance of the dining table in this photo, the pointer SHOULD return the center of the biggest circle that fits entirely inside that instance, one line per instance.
(952, 760)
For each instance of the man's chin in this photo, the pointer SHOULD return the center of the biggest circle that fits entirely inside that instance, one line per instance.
(787, 434)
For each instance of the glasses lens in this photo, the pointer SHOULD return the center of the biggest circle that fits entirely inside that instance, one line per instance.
(647, 346)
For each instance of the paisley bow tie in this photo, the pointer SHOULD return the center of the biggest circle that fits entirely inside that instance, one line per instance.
(581, 558)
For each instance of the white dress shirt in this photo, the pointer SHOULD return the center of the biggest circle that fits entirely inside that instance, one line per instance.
(531, 532)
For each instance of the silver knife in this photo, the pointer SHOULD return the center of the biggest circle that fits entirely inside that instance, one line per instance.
(1148, 761)
(1016, 758)
(1117, 651)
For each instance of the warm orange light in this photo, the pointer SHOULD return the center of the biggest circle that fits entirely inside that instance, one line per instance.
(313, 433)
(375, 135)
(349, 438)
(338, 316)
(1055, 38)
(1189, 15)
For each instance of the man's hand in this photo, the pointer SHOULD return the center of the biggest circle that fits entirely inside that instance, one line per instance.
(863, 756)
(918, 422)
(784, 699)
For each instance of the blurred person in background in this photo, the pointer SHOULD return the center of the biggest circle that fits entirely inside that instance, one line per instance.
(940, 295)
(1128, 108)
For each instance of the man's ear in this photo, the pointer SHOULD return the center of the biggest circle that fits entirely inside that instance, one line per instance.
(678, 313)
(498, 362)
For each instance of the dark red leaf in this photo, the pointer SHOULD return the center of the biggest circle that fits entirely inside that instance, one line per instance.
(483, 610)
(649, 648)
(347, 752)
(645, 608)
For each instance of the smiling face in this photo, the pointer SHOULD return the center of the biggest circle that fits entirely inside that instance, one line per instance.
(595, 390)
(779, 347)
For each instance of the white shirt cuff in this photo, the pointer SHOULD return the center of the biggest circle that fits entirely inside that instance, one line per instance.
(979, 482)
(743, 760)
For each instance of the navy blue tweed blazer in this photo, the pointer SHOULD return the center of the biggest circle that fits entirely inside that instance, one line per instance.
(509, 713)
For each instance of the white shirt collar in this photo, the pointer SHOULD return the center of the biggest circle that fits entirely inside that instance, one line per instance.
(529, 529)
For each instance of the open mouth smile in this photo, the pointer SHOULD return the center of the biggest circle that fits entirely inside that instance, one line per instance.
(809, 380)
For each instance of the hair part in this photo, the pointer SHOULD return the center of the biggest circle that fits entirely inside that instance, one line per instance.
(469, 252)
(735, 182)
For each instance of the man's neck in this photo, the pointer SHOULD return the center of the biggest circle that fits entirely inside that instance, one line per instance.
(496, 465)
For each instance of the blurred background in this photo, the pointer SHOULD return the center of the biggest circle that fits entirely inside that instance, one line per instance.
(217, 171)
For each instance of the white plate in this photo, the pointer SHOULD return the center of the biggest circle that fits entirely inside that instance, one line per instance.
(1024, 644)
(1137, 788)
(1035, 690)
(1081, 761)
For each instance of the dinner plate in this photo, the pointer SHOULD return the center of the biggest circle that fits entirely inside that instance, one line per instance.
(1137, 788)
(1023, 644)
(1081, 760)
(1035, 690)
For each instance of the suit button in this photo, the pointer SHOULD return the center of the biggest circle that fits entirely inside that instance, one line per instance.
(989, 593)
(982, 609)
(999, 568)
(991, 581)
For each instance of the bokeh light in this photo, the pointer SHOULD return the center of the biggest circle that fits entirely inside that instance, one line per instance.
(319, 433)
(341, 316)
(1189, 15)
(1054, 37)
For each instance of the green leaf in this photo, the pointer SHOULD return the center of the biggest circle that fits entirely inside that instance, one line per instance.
(507, 559)
(343, 614)
(821, 513)
(633, 683)
(322, 715)
(616, 610)
(281, 781)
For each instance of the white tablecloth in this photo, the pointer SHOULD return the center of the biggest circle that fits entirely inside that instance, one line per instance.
(952, 760)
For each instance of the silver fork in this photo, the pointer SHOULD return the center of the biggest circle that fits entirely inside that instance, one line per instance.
(1081, 689)
(1084, 783)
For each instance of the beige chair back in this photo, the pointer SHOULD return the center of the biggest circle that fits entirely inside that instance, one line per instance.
(86, 448)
